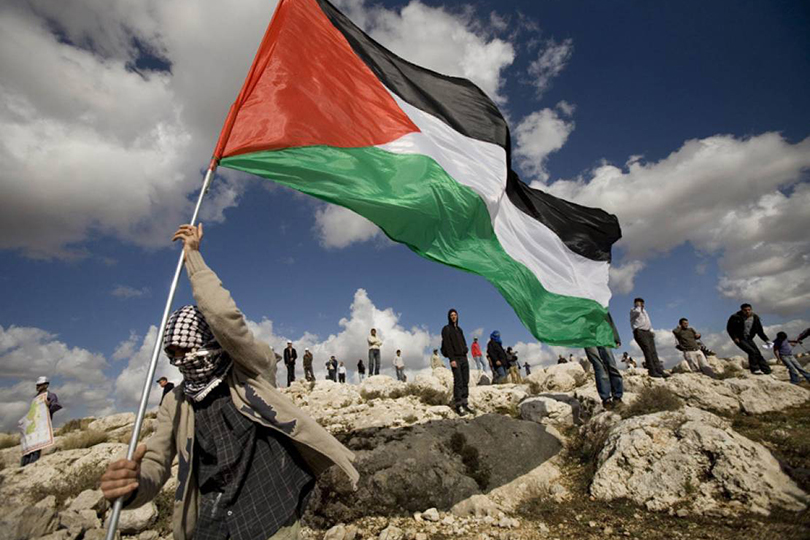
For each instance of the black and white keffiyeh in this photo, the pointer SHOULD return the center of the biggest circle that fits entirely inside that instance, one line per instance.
(206, 363)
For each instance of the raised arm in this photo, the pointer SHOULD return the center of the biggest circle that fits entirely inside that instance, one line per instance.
(225, 320)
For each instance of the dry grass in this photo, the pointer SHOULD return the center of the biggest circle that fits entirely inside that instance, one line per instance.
(652, 400)
(146, 430)
(7, 440)
(82, 439)
(77, 424)
(86, 477)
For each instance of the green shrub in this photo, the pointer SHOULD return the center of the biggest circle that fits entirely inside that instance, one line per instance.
(7, 440)
(652, 400)
(82, 439)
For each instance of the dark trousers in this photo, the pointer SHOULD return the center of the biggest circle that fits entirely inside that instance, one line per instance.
(308, 373)
(342, 377)
(461, 380)
(290, 374)
(373, 362)
(30, 458)
(755, 358)
(646, 340)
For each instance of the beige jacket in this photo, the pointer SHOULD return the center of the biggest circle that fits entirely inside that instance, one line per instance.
(374, 342)
(252, 393)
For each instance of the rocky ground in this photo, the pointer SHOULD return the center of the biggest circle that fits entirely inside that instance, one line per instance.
(689, 457)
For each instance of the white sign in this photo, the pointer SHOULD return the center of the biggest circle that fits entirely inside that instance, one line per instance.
(36, 431)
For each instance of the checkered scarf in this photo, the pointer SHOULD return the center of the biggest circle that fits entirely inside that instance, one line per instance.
(206, 365)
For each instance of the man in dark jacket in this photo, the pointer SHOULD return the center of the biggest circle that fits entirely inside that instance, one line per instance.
(167, 387)
(309, 374)
(454, 348)
(742, 327)
(290, 356)
(499, 361)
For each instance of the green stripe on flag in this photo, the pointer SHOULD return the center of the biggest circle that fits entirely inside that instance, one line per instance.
(415, 202)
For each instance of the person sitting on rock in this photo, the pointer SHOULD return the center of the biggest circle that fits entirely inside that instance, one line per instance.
(784, 353)
(498, 356)
(628, 360)
(688, 344)
(454, 348)
(561, 359)
(248, 457)
(436, 360)
(609, 382)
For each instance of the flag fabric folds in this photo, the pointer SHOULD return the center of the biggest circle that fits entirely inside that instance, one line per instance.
(329, 112)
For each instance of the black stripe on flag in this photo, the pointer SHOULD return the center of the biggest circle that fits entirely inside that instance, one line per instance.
(460, 104)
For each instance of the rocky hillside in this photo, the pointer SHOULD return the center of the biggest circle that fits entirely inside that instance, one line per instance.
(689, 457)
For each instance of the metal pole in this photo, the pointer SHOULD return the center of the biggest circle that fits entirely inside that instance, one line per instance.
(147, 385)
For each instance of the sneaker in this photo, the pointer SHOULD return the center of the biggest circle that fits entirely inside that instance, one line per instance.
(607, 404)
(756, 372)
(460, 411)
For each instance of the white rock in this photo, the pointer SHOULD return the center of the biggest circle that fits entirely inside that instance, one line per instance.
(89, 499)
(681, 367)
(431, 514)
(79, 519)
(691, 458)
(545, 409)
(477, 506)
(137, 520)
(391, 533)
(109, 423)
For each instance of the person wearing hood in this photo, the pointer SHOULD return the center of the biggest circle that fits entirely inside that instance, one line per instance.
(742, 328)
(454, 348)
(309, 374)
(498, 356)
(53, 405)
(361, 370)
(248, 456)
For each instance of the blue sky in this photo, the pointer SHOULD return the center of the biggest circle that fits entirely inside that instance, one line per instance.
(688, 120)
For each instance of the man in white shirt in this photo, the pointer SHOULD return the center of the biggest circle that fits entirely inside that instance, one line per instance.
(374, 344)
(399, 365)
(644, 336)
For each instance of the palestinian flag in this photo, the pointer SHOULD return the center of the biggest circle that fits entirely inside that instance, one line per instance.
(328, 111)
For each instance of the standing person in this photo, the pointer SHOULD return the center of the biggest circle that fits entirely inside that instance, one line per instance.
(477, 356)
(784, 353)
(644, 336)
(609, 383)
(498, 356)
(399, 366)
(436, 360)
(527, 368)
(290, 355)
(743, 327)
(514, 366)
(309, 374)
(374, 344)
(53, 405)
(167, 387)
(331, 369)
(454, 348)
(571, 358)
(341, 373)
(248, 457)
(361, 370)
(688, 343)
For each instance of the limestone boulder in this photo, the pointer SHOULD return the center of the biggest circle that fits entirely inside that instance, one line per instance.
(136, 520)
(79, 519)
(558, 378)
(110, 423)
(681, 367)
(381, 386)
(693, 459)
(24, 522)
(476, 506)
(501, 398)
(89, 499)
(545, 409)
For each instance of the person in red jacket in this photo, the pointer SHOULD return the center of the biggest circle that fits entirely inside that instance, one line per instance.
(477, 356)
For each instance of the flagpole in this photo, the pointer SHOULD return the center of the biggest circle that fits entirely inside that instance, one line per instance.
(147, 384)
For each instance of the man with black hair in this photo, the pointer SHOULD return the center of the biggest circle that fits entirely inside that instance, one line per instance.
(687, 338)
(743, 327)
(454, 348)
(644, 336)
(290, 356)
(166, 385)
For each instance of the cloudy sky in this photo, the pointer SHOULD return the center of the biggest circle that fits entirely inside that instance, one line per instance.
(688, 120)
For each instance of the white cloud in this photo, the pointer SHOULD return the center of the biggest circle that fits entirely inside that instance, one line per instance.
(76, 374)
(129, 383)
(622, 278)
(550, 62)
(125, 291)
(338, 227)
(744, 199)
(538, 135)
